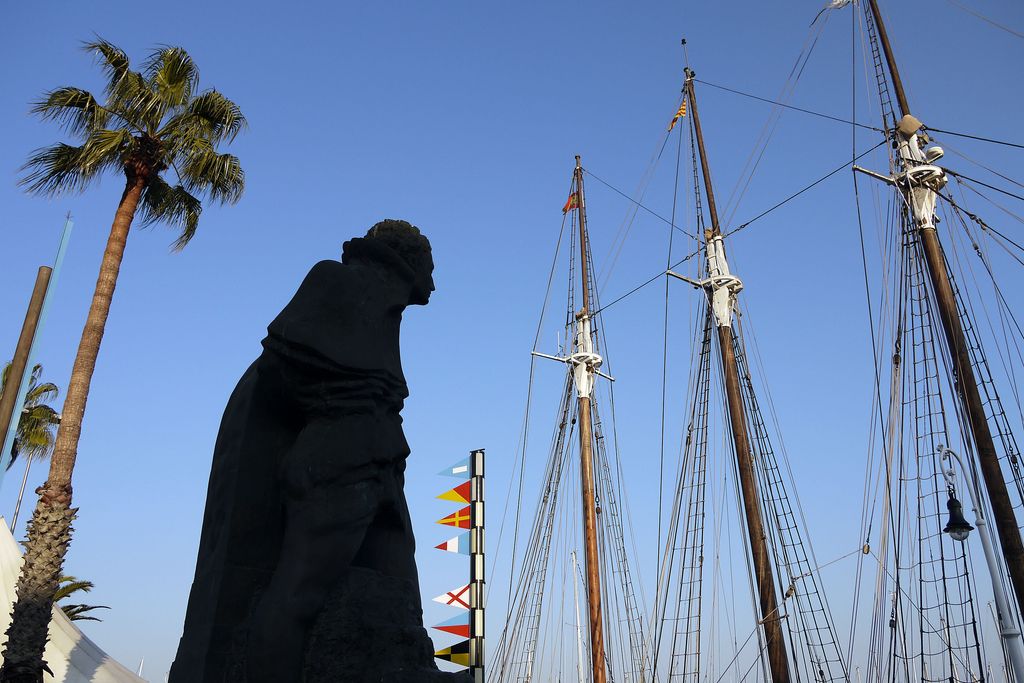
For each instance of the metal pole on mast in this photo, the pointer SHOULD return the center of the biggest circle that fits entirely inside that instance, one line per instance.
(585, 363)
(723, 287)
(919, 183)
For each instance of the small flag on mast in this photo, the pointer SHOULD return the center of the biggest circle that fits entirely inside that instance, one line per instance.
(457, 653)
(573, 202)
(459, 494)
(457, 625)
(459, 544)
(679, 114)
(458, 519)
(458, 597)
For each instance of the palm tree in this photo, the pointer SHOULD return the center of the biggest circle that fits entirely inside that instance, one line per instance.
(153, 123)
(69, 585)
(34, 436)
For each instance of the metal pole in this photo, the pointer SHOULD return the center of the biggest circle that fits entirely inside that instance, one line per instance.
(1008, 631)
(17, 379)
(723, 287)
(584, 372)
(9, 429)
(21, 494)
(915, 190)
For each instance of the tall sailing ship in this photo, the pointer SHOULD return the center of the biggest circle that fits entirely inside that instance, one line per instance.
(941, 440)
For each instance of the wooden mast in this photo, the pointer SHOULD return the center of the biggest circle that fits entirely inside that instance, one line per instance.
(966, 383)
(584, 376)
(723, 287)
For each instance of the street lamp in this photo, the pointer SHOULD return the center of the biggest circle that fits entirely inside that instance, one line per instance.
(958, 528)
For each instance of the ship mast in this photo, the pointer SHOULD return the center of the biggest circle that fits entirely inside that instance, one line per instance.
(920, 183)
(722, 287)
(585, 363)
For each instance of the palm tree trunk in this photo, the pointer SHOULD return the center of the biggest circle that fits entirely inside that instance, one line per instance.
(49, 530)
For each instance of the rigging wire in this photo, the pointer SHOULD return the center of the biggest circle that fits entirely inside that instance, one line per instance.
(789, 106)
(974, 137)
(991, 201)
(619, 241)
(771, 123)
(740, 227)
(981, 223)
(991, 187)
(664, 355)
(993, 22)
(945, 145)
(526, 421)
(640, 205)
(987, 228)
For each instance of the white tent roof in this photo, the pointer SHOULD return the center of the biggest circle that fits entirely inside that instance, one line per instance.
(71, 656)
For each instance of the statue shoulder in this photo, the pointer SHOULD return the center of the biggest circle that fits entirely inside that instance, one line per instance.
(330, 273)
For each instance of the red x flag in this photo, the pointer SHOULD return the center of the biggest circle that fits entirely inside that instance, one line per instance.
(459, 597)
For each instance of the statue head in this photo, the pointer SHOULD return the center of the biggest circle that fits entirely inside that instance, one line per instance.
(413, 248)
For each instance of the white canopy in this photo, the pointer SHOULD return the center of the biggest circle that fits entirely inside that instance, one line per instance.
(71, 656)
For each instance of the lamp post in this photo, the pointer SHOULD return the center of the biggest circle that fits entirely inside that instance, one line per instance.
(958, 529)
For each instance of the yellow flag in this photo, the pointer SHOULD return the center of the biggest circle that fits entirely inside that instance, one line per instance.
(679, 114)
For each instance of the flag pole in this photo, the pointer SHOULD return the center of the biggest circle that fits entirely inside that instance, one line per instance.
(476, 567)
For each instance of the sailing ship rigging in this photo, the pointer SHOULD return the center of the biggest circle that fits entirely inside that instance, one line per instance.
(926, 622)
(942, 434)
(617, 642)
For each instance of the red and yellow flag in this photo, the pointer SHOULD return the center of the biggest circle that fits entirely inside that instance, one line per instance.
(458, 519)
(459, 494)
(573, 202)
(679, 114)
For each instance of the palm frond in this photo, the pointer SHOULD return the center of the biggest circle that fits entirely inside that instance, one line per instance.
(56, 169)
(113, 60)
(76, 110)
(209, 115)
(66, 168)
(36, 431)
(78, 612)
(135, 102)
(219, 175)
(174, 205)
(128, 95)
(40, 393)
(108, 147)
(151, 120)
(69, 585)
(172, 76)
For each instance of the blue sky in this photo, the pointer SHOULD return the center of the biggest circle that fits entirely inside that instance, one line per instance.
(464, 119)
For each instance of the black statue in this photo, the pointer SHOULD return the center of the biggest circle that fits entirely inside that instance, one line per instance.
(306, 488)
